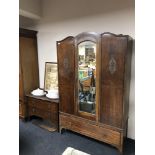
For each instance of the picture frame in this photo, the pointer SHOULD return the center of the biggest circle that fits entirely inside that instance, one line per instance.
(51, 76)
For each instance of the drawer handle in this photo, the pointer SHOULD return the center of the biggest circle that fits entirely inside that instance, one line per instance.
(104, 135)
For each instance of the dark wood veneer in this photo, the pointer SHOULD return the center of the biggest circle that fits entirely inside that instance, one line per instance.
(66, 71)
(27, 33)
(28, 67)
(43, 107)
(91, 129)
(113, 63)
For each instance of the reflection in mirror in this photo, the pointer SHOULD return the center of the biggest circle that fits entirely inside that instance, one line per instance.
(87, 76)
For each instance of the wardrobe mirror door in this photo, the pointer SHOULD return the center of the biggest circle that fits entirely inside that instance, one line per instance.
(87, 76)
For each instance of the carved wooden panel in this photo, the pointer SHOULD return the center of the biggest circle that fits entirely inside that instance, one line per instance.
(66, 72)
(113, 56)
(114, 49)
(65, 54)
(66, 99)
(112, 65)
(112, 106)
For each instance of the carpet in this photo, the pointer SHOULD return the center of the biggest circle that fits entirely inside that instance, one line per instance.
(34, 140)
(44, 124)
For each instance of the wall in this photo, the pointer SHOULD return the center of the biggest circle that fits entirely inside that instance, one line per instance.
(32, 6)
(75, 16)
(30, 12)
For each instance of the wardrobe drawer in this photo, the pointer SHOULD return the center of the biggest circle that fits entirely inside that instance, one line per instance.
(89, 128)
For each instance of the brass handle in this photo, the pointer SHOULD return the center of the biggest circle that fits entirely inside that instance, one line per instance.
(104, 135)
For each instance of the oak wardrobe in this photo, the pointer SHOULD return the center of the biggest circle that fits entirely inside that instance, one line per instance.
(94, 82)
(28, 67)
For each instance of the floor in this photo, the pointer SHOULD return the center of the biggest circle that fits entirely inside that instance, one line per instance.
(34, 140)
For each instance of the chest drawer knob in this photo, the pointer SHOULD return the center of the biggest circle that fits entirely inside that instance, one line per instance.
(105, 135)
(49, 106)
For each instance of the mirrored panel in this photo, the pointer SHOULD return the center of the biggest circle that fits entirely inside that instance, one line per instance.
(87, 76)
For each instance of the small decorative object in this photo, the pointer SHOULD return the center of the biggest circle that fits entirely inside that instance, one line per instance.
(51, 76)
(38, 92)
(112, 65)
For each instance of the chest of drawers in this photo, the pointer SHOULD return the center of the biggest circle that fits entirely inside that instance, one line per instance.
(43, 107)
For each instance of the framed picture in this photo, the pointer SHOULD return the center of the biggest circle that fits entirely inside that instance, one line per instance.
(51, 76)
(89, 54)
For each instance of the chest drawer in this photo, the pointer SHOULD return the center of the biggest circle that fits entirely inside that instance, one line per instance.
(40, 113)
(43, 107)
(42, 104)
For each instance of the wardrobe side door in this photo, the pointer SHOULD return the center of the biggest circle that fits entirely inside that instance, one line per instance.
(29, 63)
(66, 74)
(112, 78)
